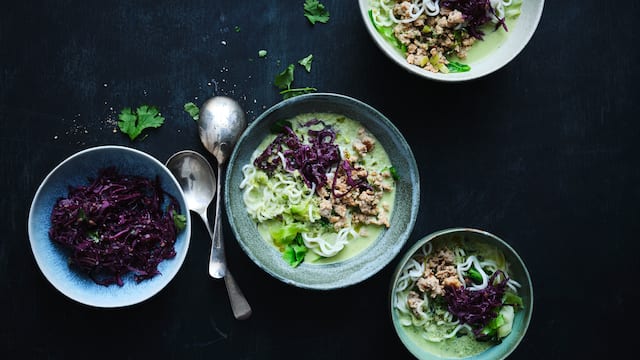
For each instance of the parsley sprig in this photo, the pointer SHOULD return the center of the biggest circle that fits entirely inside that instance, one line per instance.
(132, 123)
(315, 12)
(284, 80)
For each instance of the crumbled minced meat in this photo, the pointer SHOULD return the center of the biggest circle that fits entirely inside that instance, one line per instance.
(439, 273)
(429, 39)
(360, 205)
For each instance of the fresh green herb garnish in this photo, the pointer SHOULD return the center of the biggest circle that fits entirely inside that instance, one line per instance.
(144, 117)
(237, 28)
(278, 126)
(474, 275)
(284, 80)
(455, 67)
(295, 252)
(262, 53)
(289, 93)
(93, 236)
(314, 11)
(306, 62)
(193, 110)
(179, 220)
(394, 173)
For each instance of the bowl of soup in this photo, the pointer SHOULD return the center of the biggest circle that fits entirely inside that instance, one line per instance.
(322, 191)
(461, 293)
(451, 41)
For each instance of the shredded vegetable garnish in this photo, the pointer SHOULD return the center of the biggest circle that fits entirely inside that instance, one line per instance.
(116, 225)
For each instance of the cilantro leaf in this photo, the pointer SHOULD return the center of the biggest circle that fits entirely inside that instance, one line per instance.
(455, 66)
(193, 110)
(144, 117)
(285, 78)
(289, 93)
(314, 11)
(283, 82)
(306, 62)
(179, 220)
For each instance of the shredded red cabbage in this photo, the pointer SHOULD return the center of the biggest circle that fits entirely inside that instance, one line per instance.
(477, 307)
(475, 14)
(313, 160)
(116, 225)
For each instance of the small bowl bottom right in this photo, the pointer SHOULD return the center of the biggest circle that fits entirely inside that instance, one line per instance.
(446, 302)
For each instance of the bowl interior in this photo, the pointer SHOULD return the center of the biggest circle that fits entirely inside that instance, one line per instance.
(370, 260)
(518, 271)
(51, 258)
(517, 38)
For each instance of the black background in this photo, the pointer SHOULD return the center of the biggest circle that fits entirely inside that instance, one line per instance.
(542, 153)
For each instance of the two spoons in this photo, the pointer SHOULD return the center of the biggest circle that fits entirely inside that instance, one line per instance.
(221, 123)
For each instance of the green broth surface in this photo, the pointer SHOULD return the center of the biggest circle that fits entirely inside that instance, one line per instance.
(375, 160)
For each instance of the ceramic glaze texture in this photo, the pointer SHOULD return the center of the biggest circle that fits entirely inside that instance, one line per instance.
(52, 259)
(371, 259)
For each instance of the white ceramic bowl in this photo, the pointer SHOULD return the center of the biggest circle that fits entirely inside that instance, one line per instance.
(52, 259)
(517, 38)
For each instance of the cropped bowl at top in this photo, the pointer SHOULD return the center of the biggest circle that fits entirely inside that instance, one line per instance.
(383, 248)
(52, 259)
(414, 337)
(490, 54)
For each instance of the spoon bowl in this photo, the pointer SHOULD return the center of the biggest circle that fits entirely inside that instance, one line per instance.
(221, 123)
(196, 178)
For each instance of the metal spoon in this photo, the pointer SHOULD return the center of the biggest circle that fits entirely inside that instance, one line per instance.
(221, 123)
(198, 183)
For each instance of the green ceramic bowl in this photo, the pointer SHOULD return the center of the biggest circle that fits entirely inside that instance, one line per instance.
(370, 260)
(421, 348)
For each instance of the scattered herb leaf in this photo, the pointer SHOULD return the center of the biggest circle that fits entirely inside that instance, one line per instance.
(285, 78)
(455, 67)
(144, 117)
(306, 62)
(193, 110)
(314, 11)
(237, 28)
(289, 93)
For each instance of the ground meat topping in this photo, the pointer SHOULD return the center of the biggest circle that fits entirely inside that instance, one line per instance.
(430, 39)
(439, 273)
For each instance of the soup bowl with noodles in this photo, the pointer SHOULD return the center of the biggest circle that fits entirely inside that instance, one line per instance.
(313, 190)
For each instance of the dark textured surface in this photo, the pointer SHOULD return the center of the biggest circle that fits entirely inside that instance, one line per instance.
(542, 153)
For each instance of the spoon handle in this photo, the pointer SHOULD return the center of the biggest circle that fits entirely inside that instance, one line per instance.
(239, 305)
(217, 262)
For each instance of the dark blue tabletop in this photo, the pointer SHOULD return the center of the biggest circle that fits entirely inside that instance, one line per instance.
(543, 153)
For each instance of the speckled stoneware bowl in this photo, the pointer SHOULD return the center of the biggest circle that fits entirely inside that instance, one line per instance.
(370, 260)
(518, 36)
(518, 272)
(51, 258)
